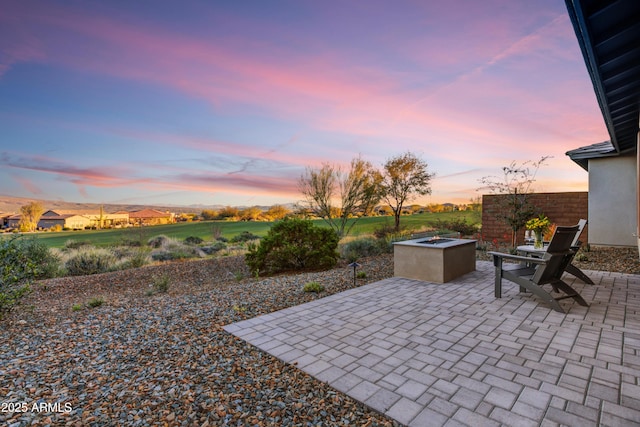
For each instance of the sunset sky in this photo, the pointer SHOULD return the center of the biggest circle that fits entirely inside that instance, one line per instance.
(227, 102)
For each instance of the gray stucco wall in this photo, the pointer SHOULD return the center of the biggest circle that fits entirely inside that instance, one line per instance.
(612, 201)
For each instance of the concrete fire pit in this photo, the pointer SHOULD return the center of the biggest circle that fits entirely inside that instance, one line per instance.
(434, 260)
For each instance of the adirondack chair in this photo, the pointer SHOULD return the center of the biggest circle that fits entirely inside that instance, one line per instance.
(533, 273)
(575, 244)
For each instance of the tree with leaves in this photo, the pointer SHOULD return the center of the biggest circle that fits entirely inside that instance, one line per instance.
(515, 185)
(30, 215)
(404, 178)
(277, 212)
(252, 213)
(356, 190)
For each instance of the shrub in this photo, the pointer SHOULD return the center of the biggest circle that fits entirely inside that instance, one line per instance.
(75, 244)
(361, 275)
(130, 242)
(47, 263)
(245, 236)
(313, 287)
(16, 273)
(157, 241)
(168, 249)
(388, 230)
(137, 259)
(581, 257)
(361, 248)
(193, 240)
(91, 260)
(160, 285)
(458, 225)
(212, 249)
(293, 244)
(174, 250)
(95, 302)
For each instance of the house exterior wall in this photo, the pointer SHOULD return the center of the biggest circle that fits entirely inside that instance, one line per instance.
(561, 208)
(13, 221)
(613, 208)
(74, 222)
(109, 220)
(51, 222)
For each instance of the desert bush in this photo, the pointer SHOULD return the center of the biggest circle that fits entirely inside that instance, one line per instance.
(160, 285)
(362, 247)
(245, 236)
(157, 241)
(172, 249)
(47, 262)
(459, 225)
(17, 271)
(193, 240)
(130, 242)
(214, 248)
(136, 259)
(313, 287)
(75, 244)
(293, 244)
(95, 302)
(171, 255)
(388, 230)
(581, 257)
(90, 260)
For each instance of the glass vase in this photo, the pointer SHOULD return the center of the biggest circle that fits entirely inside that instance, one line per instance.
(537, 243)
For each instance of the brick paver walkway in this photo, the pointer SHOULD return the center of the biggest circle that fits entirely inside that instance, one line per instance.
(451, 354)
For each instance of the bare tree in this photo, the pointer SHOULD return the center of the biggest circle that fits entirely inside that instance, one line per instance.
(405, 177)
(30, 215)
(357, 192)
(516, 185)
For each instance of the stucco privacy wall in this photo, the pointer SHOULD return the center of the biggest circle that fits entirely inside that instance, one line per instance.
(561, 208)
(612, 204)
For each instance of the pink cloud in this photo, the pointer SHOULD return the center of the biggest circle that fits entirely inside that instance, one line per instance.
(475, 113)
(95, 176)
(16, 44)
(181, 178)
(322, 90)
(28, 184)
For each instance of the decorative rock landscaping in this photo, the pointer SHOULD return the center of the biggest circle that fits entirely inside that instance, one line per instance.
(163, 359)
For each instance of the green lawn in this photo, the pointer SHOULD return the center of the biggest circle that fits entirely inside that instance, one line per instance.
(205, 229)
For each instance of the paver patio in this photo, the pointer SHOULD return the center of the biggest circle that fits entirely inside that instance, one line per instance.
(451, 354)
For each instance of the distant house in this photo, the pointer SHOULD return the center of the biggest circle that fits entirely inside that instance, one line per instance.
(51, 219)
(4, 219)
(13, 221)
(108, 220)
(151, 217)
(72, 220)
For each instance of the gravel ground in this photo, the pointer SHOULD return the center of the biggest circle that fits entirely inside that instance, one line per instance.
(164, 359)
(146, 358)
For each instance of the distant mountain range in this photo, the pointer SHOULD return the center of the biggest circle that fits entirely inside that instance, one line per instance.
(9, 204)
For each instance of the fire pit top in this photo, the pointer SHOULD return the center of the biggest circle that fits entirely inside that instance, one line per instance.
(435, 241)
(440, 243)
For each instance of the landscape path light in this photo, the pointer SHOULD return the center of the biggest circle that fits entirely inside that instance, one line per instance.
(354, 265)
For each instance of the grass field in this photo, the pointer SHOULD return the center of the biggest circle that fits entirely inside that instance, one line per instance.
(205, 229)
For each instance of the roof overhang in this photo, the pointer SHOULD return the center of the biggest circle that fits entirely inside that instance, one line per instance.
(609, 36)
